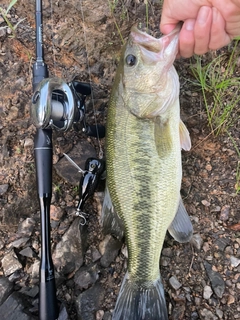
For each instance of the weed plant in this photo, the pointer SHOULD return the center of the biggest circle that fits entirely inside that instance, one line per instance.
(220, 88)
(123, 9)
(4, 14)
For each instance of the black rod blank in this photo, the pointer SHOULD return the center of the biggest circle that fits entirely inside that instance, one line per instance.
(48, 306)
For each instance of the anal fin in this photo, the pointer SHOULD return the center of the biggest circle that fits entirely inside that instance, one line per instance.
(181, 228)
(111, 222)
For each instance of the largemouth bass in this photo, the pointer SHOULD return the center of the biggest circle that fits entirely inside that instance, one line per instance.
(143, 156)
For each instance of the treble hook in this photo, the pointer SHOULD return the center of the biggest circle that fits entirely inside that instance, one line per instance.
(82, 215)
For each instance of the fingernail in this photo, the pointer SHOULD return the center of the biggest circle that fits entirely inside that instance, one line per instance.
(189, 24)
(203, 14)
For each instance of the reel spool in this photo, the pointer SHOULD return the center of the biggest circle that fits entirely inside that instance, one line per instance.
(57, 105)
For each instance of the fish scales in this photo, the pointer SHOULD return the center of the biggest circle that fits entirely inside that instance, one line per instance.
(143, 160)
(141, 186)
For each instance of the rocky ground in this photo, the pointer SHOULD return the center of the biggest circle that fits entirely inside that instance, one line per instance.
(202, 278)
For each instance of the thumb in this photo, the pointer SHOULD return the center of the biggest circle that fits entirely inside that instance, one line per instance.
(168, 21)
(168, 27)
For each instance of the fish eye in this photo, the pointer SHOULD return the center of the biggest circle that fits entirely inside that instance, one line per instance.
(131, 60)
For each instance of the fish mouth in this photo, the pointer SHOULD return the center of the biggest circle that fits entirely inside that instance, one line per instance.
(155, 49)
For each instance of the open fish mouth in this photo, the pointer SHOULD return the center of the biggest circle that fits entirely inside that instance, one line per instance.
(154, 49)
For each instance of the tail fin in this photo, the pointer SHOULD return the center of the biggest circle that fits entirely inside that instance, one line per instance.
(136, 302)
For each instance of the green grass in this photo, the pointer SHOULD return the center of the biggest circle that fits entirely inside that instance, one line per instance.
(220, 88)
(112, 4)
(57, 188)
(120, 5)
(237, 185)
(4, 14)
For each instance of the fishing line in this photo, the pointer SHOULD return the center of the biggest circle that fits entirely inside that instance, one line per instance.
(90, 81)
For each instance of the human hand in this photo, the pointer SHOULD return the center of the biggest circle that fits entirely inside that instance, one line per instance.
(208, 24)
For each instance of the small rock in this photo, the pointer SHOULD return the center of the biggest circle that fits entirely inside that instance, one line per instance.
(178, 311)
(96, 255)
(208, 167)
(2, 244)
(221, 243)
(3, 32)
(27, 252)
(19, 242)
(28, 143)
(15, 276)
(107, 316)
(231, 299)
(175, 283)
(194, 315)
(13, 113)
(207, 314)
(68, 254)
(56, 213)
(26, 227)
(89, 302)
(6, 288)
(34, 270)
(224, 214)
(63, 315)
(3, 188)
(218, 284)
(31, 292)
(165, 261)
(206, 203)
(216, 209)
(197, 241)
(206, 246)
(219, 313)
(99, 315)
(125, 251)
(197, 301)
(167, 252)
(86, 276)
(10, 263)
(234, 261)
(207, 292)
(109, 249)
(13, 308)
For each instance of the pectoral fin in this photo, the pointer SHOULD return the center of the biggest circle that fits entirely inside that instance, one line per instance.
(181, 228)
(111, 222)
(185, 140)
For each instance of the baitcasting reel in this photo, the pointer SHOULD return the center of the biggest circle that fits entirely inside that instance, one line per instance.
(58, 105)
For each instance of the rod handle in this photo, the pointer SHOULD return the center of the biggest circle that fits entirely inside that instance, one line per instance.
(48, 306)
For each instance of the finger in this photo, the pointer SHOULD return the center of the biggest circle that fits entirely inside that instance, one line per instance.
(168, 21)
(186, 39)
(167, 28)
(218, 36)
(202, 30)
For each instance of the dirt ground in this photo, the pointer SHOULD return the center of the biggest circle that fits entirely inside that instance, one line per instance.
(80, 37)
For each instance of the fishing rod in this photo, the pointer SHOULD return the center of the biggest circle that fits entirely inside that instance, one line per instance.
(55, 105)
(48, 306)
